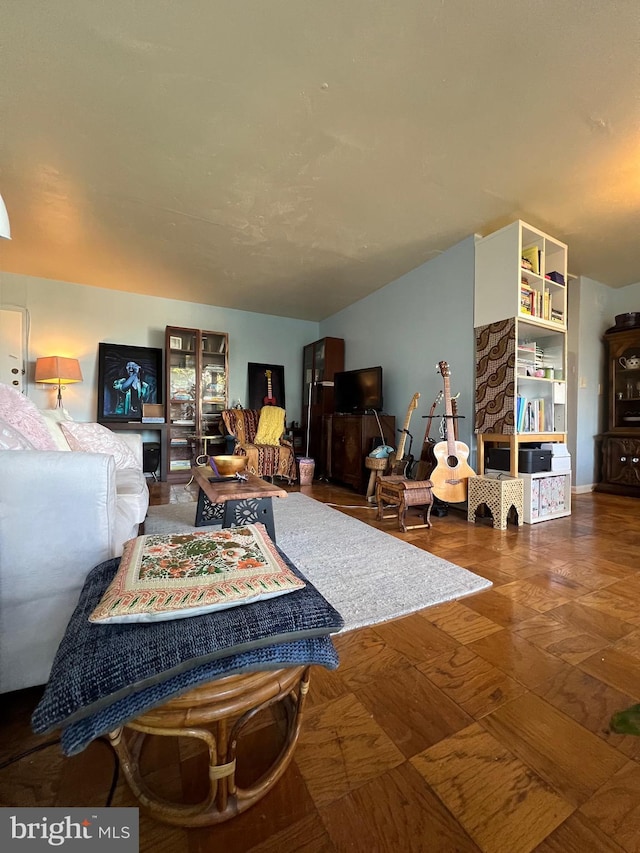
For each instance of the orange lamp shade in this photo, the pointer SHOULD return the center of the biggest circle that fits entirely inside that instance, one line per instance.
(59, 370)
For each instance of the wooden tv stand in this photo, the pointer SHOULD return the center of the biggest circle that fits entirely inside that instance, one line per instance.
(349, 439)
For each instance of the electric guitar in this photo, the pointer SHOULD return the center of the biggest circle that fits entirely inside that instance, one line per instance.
(398, 463)
(427, 460)
(269, 400)
(449, 477)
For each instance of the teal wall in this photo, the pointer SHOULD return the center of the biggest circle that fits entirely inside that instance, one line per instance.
(410, 325)
(70, 319)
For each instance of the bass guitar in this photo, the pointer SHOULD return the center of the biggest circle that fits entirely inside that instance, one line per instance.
(399, 465)
(450, 476)
(269, 400)
(427, 460)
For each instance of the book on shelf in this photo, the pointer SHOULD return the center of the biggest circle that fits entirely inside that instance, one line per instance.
(153, 420)
(533, 415)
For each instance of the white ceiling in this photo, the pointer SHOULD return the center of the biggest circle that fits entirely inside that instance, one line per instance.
(290, 157)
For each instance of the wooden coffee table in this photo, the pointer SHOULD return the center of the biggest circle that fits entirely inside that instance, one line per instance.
(235, 502)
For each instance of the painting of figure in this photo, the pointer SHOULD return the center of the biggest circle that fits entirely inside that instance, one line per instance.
(128, 377)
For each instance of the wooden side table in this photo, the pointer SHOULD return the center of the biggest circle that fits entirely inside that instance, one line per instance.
(216, 713)
(403, 493)
(499, 494)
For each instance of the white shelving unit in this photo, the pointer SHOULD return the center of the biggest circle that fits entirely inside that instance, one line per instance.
(547, 495)
(520, 318)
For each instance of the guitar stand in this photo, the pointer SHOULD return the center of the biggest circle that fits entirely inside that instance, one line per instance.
(440, 508)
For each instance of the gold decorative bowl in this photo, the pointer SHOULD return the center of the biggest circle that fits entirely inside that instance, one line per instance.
(227, 465)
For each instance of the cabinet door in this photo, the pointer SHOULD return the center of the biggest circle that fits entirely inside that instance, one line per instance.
(624, 372)
(182, 398)
(213, 383)
(622, 461)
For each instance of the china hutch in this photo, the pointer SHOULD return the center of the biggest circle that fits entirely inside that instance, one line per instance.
(197, 381)
(620, 443)
(321, 360)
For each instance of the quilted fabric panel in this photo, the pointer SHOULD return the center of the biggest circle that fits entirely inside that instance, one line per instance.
(95, 438)
(172, 577)
(97, 665)
(21, 413)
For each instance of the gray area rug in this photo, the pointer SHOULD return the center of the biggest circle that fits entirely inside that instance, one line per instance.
(368, 575)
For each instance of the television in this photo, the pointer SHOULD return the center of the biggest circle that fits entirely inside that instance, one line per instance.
(358, 390)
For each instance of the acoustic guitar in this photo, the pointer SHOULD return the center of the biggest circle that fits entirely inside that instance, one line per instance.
(450, 476)
(269, 400)
(398, 463)
(427, 460)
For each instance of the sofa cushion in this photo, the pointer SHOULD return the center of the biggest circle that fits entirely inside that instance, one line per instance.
(21, 413)
(11, 439)
(95, 438)
(172, 577)
(53, 418)
(133, 493)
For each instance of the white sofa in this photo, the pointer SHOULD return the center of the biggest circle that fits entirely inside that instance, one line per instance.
(61, 513)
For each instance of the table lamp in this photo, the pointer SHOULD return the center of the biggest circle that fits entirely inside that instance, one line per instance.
(58, 370)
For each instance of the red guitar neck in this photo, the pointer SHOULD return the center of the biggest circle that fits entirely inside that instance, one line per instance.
(269, 400)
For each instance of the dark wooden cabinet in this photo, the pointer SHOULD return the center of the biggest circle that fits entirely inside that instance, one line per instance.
(321, 360)
(620, 443)
(349, 439)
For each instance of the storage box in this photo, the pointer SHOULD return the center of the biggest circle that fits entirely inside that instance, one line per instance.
(530, 460)
(560, 456)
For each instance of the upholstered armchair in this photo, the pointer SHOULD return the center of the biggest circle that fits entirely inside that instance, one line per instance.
(260, 437)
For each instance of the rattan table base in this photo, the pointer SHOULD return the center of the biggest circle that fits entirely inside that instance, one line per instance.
(216, 713)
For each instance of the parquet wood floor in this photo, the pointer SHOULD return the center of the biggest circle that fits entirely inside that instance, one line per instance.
(480, 724)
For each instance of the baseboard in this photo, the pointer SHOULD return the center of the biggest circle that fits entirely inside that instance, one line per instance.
(582, 490)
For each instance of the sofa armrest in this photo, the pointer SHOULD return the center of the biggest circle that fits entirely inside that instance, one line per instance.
(57, 513)
(57, 521)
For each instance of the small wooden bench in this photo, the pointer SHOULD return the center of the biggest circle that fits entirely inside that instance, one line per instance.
(402, 493)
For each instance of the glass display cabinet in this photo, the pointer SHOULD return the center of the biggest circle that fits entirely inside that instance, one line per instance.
(196, 395)
(620, 443)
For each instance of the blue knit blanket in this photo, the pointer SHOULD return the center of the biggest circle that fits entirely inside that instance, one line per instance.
(105, 675)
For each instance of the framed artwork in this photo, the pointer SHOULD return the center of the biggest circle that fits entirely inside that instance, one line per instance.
(266, 385)
(128, 377)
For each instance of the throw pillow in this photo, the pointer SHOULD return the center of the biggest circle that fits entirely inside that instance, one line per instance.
(11, 439)
(270, 425)
(171, 577)
(53, 418)
(95, 438)
(21, 413)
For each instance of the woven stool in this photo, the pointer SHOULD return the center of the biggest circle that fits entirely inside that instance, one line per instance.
(499, 495)
(216, 713)
(403, 493)
(376, 466)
